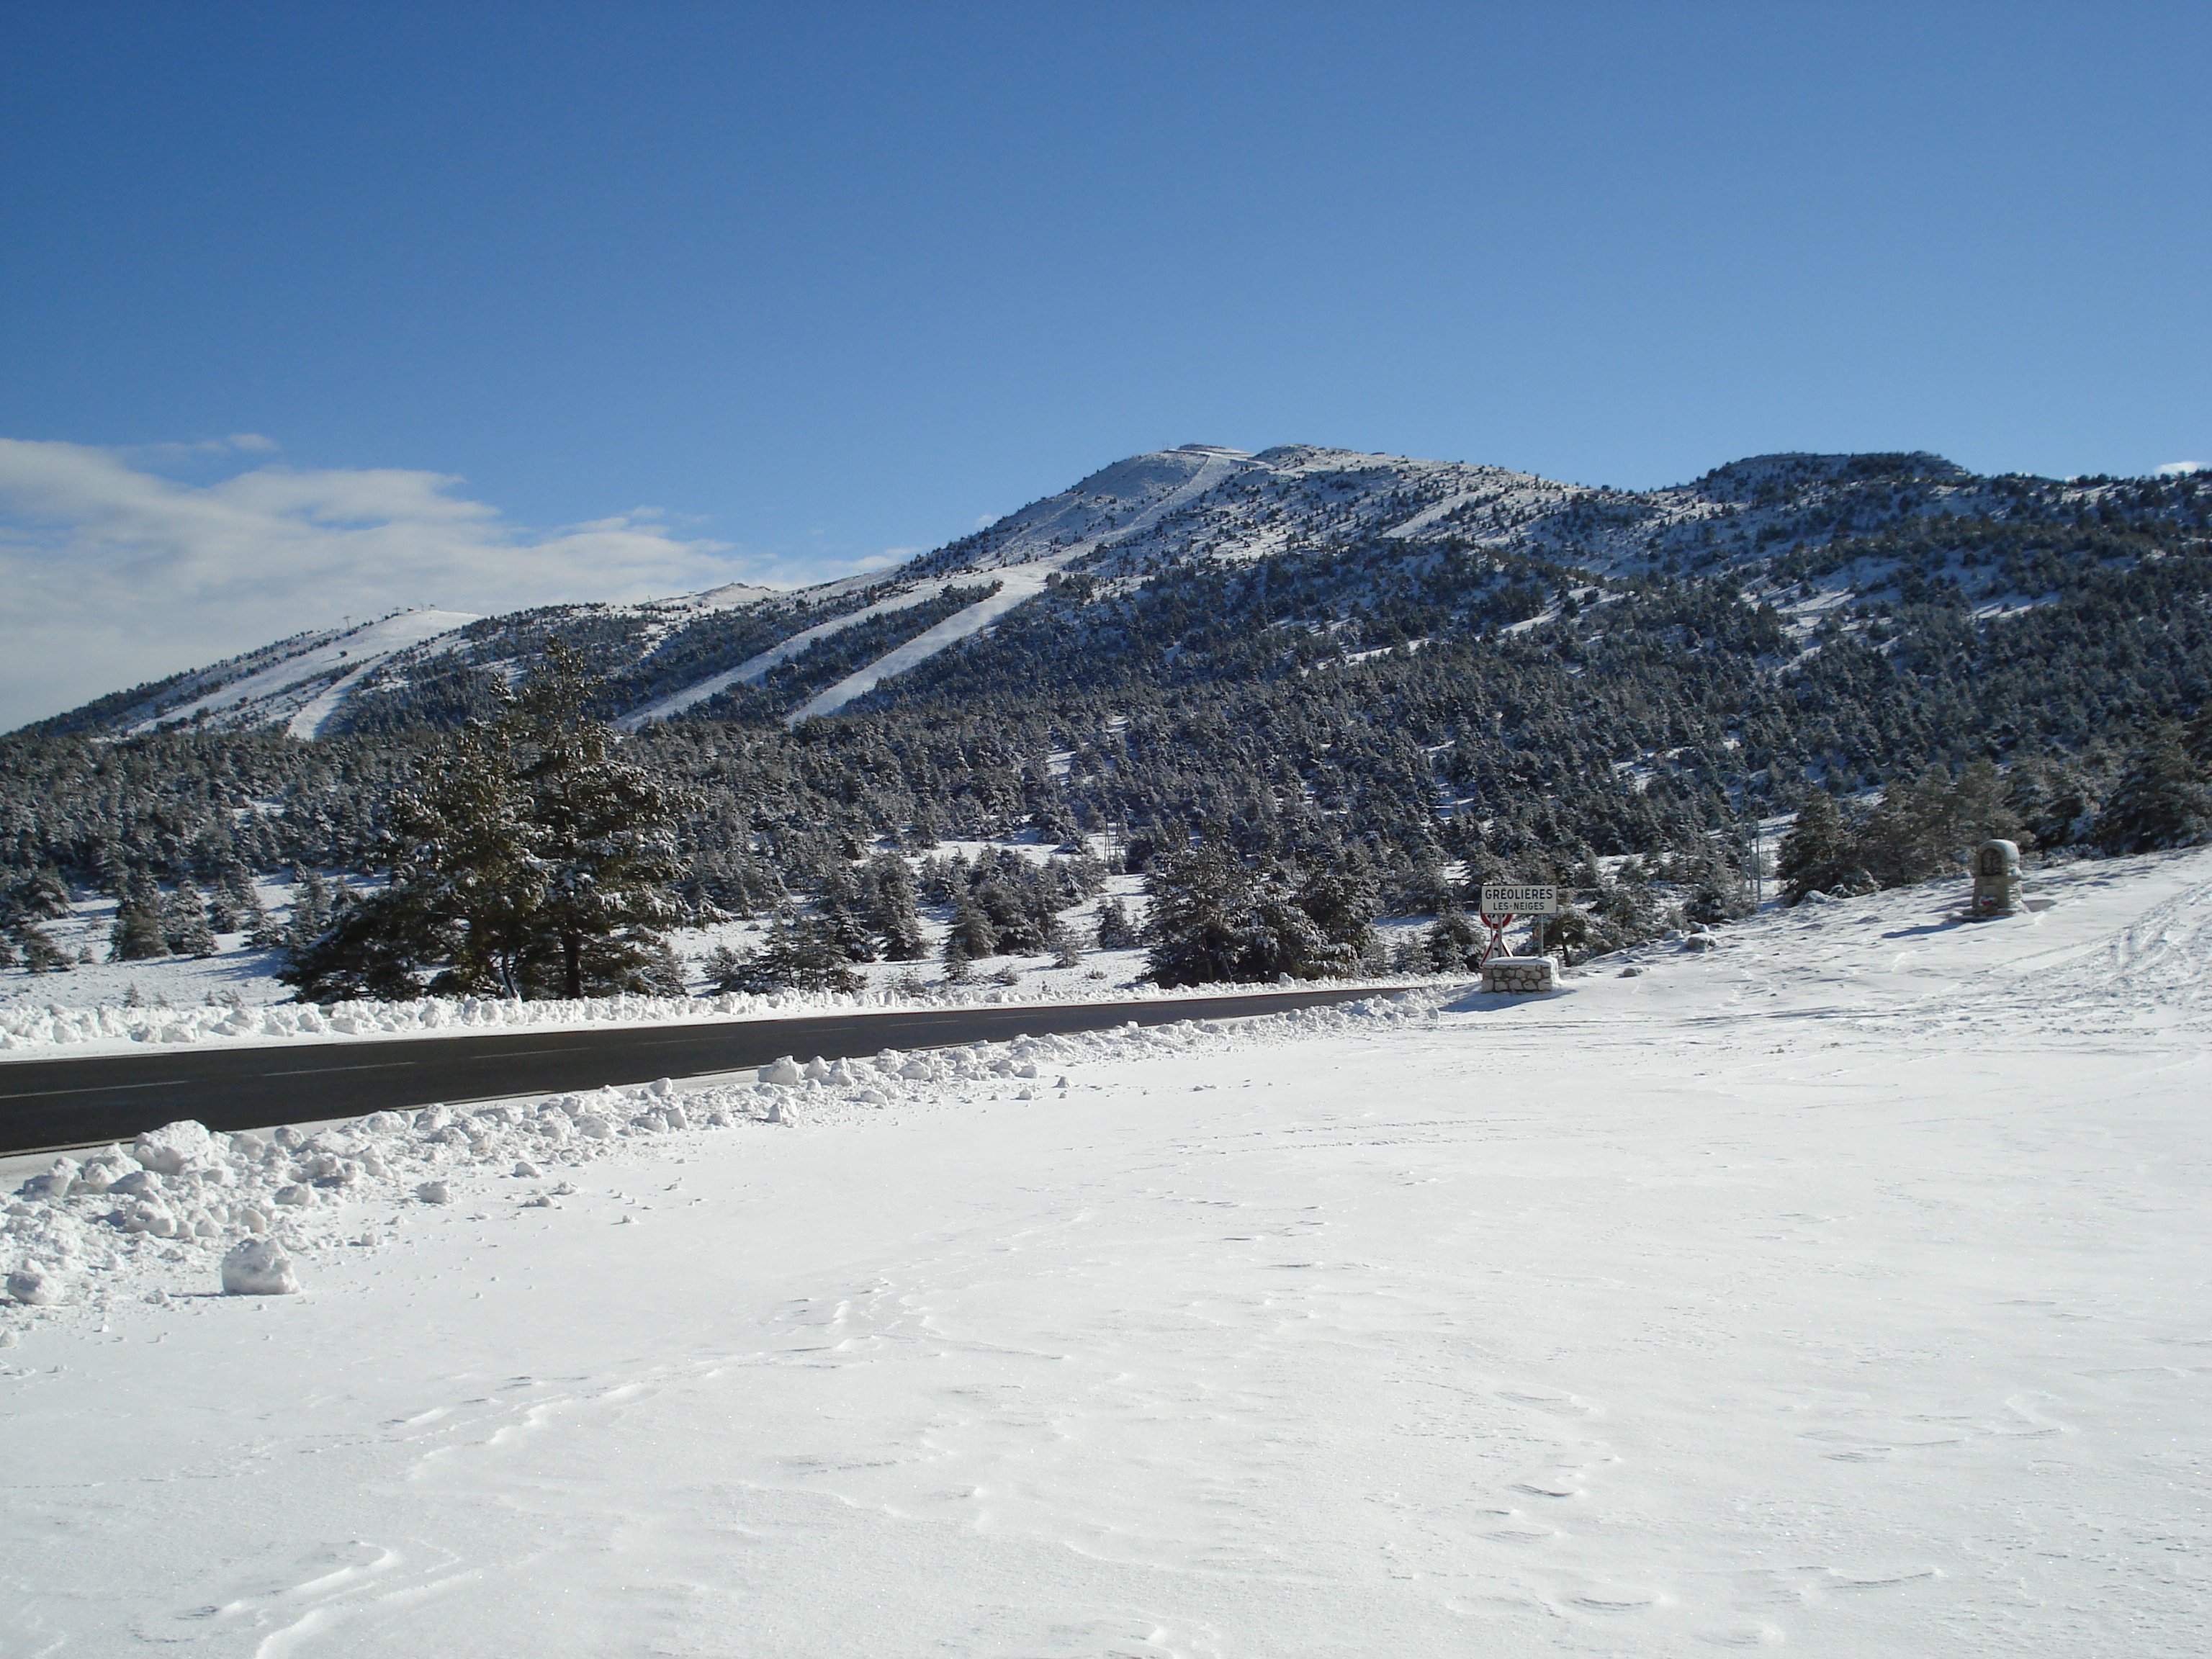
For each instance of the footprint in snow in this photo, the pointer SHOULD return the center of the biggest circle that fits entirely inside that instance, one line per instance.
(1514, 1528)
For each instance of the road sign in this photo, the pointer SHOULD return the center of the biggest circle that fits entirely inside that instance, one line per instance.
(1506, 899)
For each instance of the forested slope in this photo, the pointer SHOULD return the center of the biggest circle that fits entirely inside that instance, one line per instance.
(1358, 660)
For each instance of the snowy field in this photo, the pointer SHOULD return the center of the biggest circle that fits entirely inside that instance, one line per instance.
(1841, 1288)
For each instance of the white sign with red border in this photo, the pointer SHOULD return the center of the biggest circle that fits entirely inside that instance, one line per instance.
(1506, 899)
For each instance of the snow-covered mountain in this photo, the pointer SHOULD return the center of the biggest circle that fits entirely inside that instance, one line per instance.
(750, 651)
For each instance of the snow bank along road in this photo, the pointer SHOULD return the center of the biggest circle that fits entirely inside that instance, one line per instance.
(1840, 1291)
(80, 1102)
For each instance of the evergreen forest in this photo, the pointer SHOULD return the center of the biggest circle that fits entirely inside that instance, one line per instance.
(1908, 654)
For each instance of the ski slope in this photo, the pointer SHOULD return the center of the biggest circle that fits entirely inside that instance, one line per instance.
(1022, 576)
(1839, 1291)
(756, 668)
(311, 676)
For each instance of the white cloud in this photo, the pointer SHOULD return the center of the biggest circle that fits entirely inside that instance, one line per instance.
(236, 443)
(110, 576)
(2178, 469)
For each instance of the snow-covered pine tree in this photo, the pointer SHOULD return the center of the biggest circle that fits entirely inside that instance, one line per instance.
(2165, 799)
(958, 964)
(184, 927)
(1718, 891)
(1342, 903)
(1116, 931)
(1454, 944)
(725, 969)
(1922, 826)
(892, 908)
(664, 974)
(536, 864)
(1213, 920)
(972, 929)
(40, 954)
(603, 845)
(1058, 939)
(1820, 853)
(137, 935)
(311, 910)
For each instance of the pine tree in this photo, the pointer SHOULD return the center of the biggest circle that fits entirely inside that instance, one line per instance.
(2164, 800)
(1199, 924)
(45, 894)
(536, 864)
(725, 969)
(1819, 854)
(1213, 919)
(851, 935)
(184, 927)
(664, 974)
(1718, 892)
(1925, 827)
(604, 851)
(40, 954)
(137, 933)
(973, 930)
(2053, 800)
(1062, 943)
(959, 969)
(222, 915)
(311, 910)
(1454, 945)
(892, 909)
(1342, 904)
(1116, 931)
(798, 955)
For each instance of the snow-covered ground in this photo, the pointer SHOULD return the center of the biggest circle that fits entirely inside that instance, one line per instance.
(1843, 1288)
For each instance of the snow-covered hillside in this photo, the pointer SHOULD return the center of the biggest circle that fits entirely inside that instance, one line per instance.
(1158, 511)
(1840, 1289)
(296, 682)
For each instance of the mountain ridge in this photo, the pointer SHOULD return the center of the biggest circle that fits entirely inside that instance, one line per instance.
(1133, 520)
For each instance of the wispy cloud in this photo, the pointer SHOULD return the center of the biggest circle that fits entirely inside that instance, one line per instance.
(111, 574)
(238, 443)
(2177, 469)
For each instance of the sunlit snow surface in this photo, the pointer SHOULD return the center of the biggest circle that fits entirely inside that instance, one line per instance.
(303, 687)
(1842, 1288)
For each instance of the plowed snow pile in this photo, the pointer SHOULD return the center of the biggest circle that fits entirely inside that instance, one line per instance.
(1842, 1287)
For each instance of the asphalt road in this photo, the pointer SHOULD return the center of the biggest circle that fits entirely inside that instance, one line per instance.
(58, 1103)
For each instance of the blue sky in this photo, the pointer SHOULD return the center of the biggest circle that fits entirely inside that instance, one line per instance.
(650, 294)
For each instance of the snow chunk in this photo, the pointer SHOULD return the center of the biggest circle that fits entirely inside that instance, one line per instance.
(175, 1147)
(37, 1287)
(259, 1266)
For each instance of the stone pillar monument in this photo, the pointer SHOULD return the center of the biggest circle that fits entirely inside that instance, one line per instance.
(1996, 880)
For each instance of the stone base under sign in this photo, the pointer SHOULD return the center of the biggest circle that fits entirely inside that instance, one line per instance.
(1520, 973)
